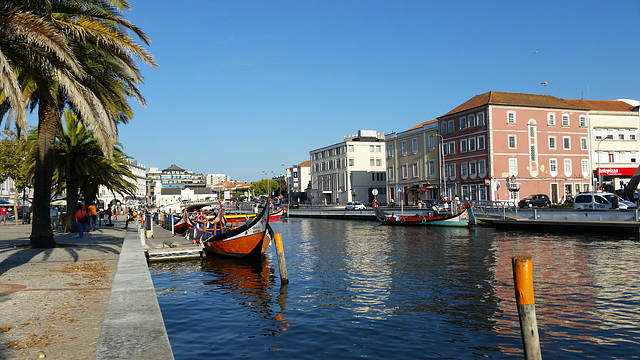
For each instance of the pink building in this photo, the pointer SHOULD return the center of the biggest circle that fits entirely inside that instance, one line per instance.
(505, 146)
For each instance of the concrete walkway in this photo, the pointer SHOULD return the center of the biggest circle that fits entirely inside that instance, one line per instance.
(89, 298)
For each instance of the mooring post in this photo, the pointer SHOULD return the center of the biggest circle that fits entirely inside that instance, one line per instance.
(284, 278)
(523, 279)
(173, 231)
(141, 232)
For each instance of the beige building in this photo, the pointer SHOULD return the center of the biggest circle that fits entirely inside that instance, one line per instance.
(413, 163)
(349, 170)
(613, 139)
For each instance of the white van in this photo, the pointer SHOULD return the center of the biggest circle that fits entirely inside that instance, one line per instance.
(593, 201)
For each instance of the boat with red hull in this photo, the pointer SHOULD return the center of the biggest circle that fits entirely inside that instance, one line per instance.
(462, 218)
(250, 240)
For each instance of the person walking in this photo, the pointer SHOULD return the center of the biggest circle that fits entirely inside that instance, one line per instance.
(54, 217)
(81, 218)
(3, 215)
(92, 211)
(133, 216)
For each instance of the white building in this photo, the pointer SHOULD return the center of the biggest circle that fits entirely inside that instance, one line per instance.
(298, 179)
(349, 170)
(212, 179)
(140, 179)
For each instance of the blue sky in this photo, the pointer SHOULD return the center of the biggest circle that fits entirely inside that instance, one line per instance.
(243, 87)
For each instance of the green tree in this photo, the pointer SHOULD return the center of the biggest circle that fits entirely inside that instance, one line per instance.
(95, 79)
(263, 186)
(13, 156)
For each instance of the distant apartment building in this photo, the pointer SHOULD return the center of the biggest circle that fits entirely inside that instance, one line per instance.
(298, 179)
(139, 171)
(349, 170)
(613, 140)
(171, 177)
(413, 164)
(504, 146)
(212, 179)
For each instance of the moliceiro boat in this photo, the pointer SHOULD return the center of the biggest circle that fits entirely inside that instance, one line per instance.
(462, 218)
(246, 241)
(244, 217)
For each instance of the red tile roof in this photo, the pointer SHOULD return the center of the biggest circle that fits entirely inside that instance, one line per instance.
(305, 164)
(602, 105)
(422, 124)
(514, 99)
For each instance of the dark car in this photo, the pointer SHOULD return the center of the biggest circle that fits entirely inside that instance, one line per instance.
(540, 200)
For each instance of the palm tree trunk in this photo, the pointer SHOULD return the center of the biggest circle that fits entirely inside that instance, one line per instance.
(41, 233)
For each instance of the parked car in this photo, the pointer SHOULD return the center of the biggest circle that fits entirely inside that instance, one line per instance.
(540, 200)
(356, 205)
(593, 201)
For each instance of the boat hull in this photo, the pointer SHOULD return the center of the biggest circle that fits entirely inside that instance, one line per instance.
(463, 218)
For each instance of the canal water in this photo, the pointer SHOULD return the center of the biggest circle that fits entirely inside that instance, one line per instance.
(360, 289)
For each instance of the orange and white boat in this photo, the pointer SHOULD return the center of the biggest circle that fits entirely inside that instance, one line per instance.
(247, 241)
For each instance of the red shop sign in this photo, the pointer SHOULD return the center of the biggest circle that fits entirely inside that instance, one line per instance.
(616, 171)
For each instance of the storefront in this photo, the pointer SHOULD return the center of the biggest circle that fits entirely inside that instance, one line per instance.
(613, 178)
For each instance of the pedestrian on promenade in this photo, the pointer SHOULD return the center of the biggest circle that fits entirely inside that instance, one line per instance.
(92, 211)
(108, 213)
(54, 217)
(81, 218)
(133, 216)
(3, 215)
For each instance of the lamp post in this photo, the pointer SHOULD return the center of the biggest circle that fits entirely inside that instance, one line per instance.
(443, 166)
(599, 182)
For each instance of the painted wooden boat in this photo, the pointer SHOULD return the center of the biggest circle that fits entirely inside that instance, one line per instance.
(244, 217)
(183, 224)
(462, 218)
(247, 241)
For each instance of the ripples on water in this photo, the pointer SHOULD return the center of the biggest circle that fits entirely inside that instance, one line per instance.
(360, 289)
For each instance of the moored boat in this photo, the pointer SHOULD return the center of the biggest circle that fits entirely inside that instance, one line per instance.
(247, 241)
(462, 218)
(244, 217)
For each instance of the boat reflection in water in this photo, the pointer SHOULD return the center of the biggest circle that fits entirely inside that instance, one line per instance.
(247, 281)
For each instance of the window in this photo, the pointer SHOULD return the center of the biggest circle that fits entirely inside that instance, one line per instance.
(445, 149)
(482, 193)
(378, 162)
(350, 147)
(513, 166)
(431, 142)
(480, 119)
(443, 127)
(414, 168)
(471, 121)
(390, 173)
(551, 119)
(351, 162)
(583, 121)
(480, 142)
(463, 170)
(567, 167)
(565, 119)
(405, 173)
(452, 171)
(451, 127)
(472, 145)
(532, 153)
(620, 134)
(404, 147)
(378, 148)
(585, 166)
(389, 150)
(566, 143)
(512, 141)
(583, 143)
(511, 117)
(414, 145)
(553, 167)
(611, 158)
(432, 168)
(372, 148)
(481, 168)
(552, 142)
(463, 146)
(452, 148)
(463, 123)
(372, 162)
(472, 169)
(633, 157)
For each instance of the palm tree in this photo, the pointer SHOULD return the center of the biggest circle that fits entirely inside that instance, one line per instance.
(81, 165)
(99, 39)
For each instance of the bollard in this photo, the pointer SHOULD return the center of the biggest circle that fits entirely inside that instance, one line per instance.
(523, 279)
(284, 278)
(173, 232)
(142, 236)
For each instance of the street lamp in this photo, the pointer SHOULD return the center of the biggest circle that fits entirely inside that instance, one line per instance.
(443, 175)
(599, 184)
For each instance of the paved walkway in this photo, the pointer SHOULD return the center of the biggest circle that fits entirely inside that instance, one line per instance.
(82, 300)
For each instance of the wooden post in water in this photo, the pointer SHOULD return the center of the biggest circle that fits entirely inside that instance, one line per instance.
(284, 278)
(523, 279)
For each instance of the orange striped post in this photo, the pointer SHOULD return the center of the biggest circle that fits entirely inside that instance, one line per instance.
(284, 278)
(523, 278)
